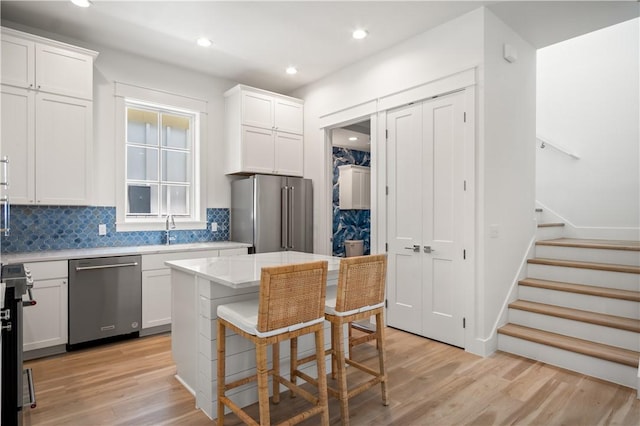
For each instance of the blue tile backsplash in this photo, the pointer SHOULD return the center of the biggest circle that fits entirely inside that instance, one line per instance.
(349, 224)
(38, 228)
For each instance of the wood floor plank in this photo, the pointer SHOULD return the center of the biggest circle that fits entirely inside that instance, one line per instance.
(429, 383)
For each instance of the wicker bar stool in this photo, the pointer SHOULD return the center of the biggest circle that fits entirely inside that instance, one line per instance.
(358, 295)
(291, 304)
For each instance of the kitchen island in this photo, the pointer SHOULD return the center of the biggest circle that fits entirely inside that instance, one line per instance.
(198, 287)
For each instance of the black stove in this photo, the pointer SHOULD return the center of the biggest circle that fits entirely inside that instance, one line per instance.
(17, 384)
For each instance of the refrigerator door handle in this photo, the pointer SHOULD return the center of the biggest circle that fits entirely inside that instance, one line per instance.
(284, 213)
(291, 217)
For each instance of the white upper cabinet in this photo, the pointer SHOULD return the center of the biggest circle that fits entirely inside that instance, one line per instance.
(264, 132)
(31, 62)
(47, 117)
(355, 187)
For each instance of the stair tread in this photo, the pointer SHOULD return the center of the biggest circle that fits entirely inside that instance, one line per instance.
(623, 323)
(592, 243)
(612, 293)
(585, 347)
(586, 265)
(550, 225)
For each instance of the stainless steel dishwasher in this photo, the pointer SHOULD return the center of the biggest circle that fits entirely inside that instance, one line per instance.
(105, 298)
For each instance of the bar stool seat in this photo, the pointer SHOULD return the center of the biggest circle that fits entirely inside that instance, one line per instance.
(290, 305)
(359, 295)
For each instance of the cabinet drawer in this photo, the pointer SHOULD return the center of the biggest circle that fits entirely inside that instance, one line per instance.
(48, 270)
(156, 261)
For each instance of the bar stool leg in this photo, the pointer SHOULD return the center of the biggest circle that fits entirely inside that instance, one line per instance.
(381, 357)
(341, 373)
(323, 399)
(263, 382)
(221, 371)
(293, 363)
(334, 337)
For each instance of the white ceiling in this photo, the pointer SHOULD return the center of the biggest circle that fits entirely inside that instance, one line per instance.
(255, 41)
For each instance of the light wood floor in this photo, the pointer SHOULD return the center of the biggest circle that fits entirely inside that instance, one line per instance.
(132, 383)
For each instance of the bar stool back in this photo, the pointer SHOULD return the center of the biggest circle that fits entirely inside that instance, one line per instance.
(291, 304)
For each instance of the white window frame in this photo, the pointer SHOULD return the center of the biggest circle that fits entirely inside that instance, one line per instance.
(156, 98)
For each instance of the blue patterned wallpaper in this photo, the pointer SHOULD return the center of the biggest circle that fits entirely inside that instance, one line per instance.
(349, 224)
(37, 228)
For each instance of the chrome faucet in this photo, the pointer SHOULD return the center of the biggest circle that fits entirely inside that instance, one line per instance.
(170, 224)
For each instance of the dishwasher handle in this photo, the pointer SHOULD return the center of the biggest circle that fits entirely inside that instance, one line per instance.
(116, 265)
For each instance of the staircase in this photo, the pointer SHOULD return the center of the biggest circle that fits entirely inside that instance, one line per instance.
(579, 308)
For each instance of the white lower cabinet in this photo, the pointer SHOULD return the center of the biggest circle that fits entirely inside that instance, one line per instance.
(45, 323)
(156, 283)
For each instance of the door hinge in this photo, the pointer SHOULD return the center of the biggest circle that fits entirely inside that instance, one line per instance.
(464, 185)
(465, 117)
(386, 133)
(386, 190)
(464, 323)
(386, 247)
(464, 254)
(386, 303)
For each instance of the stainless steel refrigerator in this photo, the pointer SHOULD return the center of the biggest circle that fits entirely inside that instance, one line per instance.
(272, 213)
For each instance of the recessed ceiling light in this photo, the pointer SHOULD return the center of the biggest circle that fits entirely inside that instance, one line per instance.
(360, 34)
(204, 42)
(292, 70)
(81, 3)
(353, 138)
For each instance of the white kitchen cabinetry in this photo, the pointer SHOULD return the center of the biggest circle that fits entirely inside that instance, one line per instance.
(156, 284)
(47, 115)
(264, 132)
(45, 323)
(355, 187)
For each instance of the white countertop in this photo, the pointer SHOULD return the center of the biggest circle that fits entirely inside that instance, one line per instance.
(51, 255)
(244, 270)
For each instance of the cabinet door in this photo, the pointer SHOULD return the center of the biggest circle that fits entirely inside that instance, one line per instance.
(63, 72)
(257, 110)
(288, 154)
(156, 297)
(257, 150)
(63, 150)
(288, 116)
(17, 61)
(45, 323)
(18, 142)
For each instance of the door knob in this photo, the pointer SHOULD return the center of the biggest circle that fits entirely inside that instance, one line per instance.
(415, 248)
(428, 249)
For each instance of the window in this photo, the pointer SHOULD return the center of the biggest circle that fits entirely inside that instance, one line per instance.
(159, 172)
(158, 159)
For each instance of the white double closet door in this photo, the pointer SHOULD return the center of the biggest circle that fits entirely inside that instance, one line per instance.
(425, 217)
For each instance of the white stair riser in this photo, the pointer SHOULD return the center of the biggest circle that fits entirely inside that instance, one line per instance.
(618, 257)
(584, 302)
(549, 233)
(581, 330)
(619, 280)
(596, 367)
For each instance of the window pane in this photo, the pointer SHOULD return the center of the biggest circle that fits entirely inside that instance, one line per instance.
(142, 199)
(175, 199)
(142, 127)
(175, 166)
(175, 131)
(142, 163)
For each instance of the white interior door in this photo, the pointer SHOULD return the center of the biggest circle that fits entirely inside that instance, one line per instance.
(443, 189)
(404, 156)
(425, 179)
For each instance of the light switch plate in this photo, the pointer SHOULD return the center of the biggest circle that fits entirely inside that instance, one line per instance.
(214, 227)
(102, 229)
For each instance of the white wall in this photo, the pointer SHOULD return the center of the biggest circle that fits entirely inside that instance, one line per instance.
(118, 66)
(588, 101)
(506, 196)
(445, 50)
(505, 155)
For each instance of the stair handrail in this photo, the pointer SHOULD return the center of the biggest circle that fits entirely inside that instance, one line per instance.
(545, 142)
